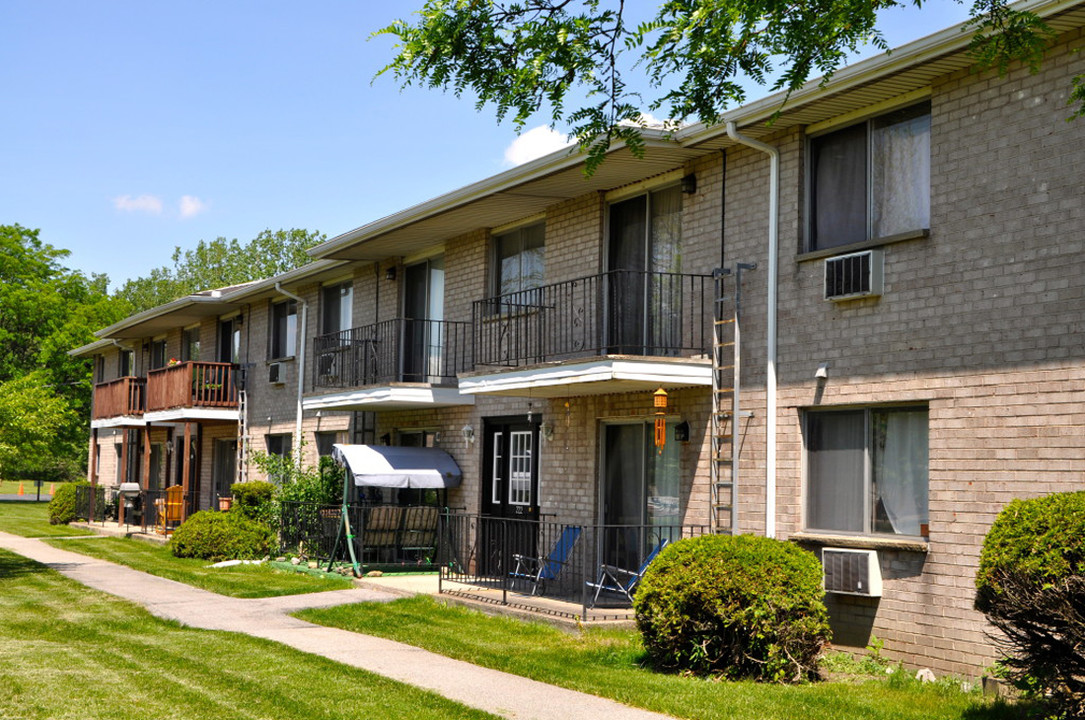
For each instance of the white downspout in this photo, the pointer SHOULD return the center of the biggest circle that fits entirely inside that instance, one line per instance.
(770, 323)
(303, 308)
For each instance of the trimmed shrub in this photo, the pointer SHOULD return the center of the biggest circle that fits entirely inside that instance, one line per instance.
(254, 500)
(1030, 585)
(221, 536)
(737, 607)
(62, 506)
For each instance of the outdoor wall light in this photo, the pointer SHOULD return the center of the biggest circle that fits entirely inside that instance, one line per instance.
(390, 273)
(689, 184)
(468, 433)
(681, 432)
(547, 430)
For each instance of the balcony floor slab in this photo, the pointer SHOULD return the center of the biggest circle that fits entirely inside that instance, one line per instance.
(394, 396)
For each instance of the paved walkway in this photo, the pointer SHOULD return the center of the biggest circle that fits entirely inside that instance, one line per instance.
(509, 696)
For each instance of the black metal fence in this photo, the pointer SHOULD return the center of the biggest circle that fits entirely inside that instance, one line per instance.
(384, 535)
(148, 510)
(550, 559)
(102, 509)
(621, 312)
(400, 350)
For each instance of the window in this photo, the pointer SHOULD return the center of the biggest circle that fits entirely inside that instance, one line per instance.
(158, 353)
(337, 301)
(520, 468)
(871, 180)
(190, 344)
(867, 471)
(284, 329)
(519, 260)
(126, 363)
(324, 443)
(229, 345)
(278, 446)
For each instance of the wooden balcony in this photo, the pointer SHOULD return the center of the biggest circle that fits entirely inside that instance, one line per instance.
(192, 385)
(122, 397)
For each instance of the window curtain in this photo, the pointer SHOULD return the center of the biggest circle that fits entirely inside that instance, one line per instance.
(900, 470)
(837, 460)
(840, 187)
(665, 261)
(900, 173)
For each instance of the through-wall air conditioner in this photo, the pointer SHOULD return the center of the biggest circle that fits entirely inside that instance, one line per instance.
(851, 572)
(855, 275)
(275, 373)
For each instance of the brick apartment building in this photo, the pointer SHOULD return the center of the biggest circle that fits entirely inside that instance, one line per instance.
(912, 291)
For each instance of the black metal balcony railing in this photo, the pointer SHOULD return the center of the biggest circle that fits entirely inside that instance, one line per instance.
(400, 350)
(622, 312)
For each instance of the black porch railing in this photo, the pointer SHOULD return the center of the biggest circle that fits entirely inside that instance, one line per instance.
(400, 350)
(552, 559)
(384, 535)
(622, 312)
(104, 505)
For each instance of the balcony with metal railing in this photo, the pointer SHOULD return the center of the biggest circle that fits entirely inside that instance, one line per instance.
(193, 391)
(616, 331)
(119, 402)
(397, 363)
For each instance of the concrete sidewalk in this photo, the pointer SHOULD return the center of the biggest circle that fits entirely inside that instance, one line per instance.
(509, 696)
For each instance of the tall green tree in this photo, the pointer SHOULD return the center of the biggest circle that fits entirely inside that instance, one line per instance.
(46, 309)
(571, 59)
(220, 263)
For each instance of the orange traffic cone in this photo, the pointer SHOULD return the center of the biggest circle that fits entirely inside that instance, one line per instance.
(51, 491)
(22, 491)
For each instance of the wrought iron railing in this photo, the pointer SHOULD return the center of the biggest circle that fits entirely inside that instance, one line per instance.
(383, 535)
(400, 350)
(95, 503)
(622, 312)
(192, 384)
(116, 398)
(497, 554)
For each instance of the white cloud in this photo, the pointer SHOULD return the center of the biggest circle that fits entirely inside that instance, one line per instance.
(191, 206)
(144, 203)
(534, 143)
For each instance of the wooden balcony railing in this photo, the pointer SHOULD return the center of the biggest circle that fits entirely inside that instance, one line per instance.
(120, 397)
(192, 385)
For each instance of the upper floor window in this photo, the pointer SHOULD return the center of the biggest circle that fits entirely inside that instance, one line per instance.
(871, 180)
(190, 344)
(867, 471)
(519, 259)
(284, 329)
(229, 345)
(126, 363)
(158, 353)
(337, 301)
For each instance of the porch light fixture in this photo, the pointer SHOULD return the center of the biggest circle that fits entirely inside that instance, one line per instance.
(681, 432)
(468, 433)
(547, 430)
(390, 273)
(689, 184)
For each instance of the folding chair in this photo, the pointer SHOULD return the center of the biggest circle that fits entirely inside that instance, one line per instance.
(624, 582)
(537, 570)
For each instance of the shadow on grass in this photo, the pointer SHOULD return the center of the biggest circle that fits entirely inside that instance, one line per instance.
(16, 565)
(1001, 710)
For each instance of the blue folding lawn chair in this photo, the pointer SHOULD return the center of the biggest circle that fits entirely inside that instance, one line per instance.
(623, 582)
(537, 570)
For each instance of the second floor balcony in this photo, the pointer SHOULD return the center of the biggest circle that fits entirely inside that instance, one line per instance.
(193, 390)
(396, 363)
(119, 401)
(612, 332)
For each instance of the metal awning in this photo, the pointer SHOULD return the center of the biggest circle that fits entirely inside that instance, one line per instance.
(398, 467)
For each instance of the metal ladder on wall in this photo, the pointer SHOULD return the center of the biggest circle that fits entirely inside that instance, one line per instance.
(242, 437)
(726, 395)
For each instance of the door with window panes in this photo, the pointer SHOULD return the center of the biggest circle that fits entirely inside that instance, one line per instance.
(510, 488)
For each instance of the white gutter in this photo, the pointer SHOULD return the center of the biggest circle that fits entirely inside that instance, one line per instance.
(770, 322)
(303, 308)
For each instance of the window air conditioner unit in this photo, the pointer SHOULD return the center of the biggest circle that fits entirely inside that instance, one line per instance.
(851, 572)
(854, 275)
(275, 373)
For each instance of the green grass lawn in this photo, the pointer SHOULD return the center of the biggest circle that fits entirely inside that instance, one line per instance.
(68, 652)
(245, 581)
(11, 487)
(609, 663)
(31, 519)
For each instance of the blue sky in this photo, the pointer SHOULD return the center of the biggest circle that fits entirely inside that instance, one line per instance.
(133, 127)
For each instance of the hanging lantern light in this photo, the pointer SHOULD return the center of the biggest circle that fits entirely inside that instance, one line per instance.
(659, 398)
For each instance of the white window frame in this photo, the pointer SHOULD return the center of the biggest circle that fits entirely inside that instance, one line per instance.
(520, 459)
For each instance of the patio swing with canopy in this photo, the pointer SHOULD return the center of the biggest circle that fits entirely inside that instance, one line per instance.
(386, 466)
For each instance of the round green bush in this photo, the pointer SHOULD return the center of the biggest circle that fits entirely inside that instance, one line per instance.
(1030, 583)
(221, 536)
(62, 506)
(254, 500)
(736, 607)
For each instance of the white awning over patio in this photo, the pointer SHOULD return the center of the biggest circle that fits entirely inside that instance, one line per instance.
(398, 467)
